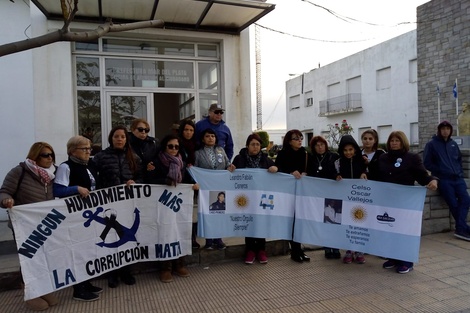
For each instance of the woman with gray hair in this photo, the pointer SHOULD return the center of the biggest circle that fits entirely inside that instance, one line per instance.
(73, 177)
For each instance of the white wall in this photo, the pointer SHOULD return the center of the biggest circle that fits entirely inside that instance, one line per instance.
(396, 106)
(16, 90)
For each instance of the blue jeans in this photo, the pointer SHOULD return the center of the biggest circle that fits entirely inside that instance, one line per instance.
(454, 192)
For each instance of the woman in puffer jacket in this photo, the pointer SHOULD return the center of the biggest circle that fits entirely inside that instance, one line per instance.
(116, 165)
(29, 182)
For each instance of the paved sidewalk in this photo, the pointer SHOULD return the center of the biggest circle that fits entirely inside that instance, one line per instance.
(439, 283)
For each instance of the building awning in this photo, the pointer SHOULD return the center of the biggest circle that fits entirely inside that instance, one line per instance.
(220, 16)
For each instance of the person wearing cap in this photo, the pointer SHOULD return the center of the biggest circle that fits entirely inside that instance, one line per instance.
(215, 122)
(443, 158)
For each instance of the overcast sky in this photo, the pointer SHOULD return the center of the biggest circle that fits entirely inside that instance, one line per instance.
(350, 26)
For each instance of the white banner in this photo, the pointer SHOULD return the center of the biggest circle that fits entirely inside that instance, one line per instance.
(66, 241)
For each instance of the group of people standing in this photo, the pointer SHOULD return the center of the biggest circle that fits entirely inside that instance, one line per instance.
(398, 165)
(135, 157)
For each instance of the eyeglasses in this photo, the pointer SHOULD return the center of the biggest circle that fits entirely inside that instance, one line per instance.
(141, 129)
(85, 149)
(173, 147)
(297, 138)
(218, 112)
(46, 155)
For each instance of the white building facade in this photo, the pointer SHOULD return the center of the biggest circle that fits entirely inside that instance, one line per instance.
(375, 88)
(164, 75)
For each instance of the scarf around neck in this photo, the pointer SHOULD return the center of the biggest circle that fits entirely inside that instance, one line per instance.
(174, 165)
(46, 175)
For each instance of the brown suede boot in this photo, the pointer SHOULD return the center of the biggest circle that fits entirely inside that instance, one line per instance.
(51, 299)
(36, 304)
(180, 268)
(165, 272)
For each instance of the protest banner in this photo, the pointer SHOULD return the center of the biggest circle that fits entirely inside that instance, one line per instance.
(368, 216)
(361, 215)
(256, 203)
(66, 241)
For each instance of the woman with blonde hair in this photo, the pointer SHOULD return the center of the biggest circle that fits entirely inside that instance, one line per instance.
(30, 182)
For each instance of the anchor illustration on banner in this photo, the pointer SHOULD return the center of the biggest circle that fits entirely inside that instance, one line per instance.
(125, 234)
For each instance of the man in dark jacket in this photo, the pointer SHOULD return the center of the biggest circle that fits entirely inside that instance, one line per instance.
(443, 158)
(215, 122)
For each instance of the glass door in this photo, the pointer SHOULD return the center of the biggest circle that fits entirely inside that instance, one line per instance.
(123, 107)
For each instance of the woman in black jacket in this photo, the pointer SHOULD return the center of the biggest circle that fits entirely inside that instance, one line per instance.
(252, 157)
(399, 166)
(170, 170)
(371, 152)
(322, 165)
(292, 159)
(114, 166)
(141, 143)
(188, 145)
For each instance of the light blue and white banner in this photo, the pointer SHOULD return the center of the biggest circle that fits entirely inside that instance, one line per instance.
(245, 203)
(66, 241)
(361, 215)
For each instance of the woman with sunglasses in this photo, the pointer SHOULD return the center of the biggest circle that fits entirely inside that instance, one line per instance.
(170, 170)
(73, 177)
(292, 159)
(116, 165)
(142, 144)
(29, 182)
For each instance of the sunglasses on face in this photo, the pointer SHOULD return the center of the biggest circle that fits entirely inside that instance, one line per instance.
(46, 155)
(173, 147)
(141, 129)
(218, 112)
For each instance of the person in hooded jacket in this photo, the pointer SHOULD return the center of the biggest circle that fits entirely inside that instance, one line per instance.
(292, 159)
(443, 158)
(350, 164)
(322, 165)
(252, 157)
(399, 166)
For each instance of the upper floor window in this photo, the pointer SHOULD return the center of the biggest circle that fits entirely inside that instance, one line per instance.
(384, 78)
(294, 102)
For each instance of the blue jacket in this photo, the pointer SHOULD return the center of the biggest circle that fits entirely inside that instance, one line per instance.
(224, 136)
(443, 158)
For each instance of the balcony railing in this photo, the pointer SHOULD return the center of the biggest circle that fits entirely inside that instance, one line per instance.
(343, 104)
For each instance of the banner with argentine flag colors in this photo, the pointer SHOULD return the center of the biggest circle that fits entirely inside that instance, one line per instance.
(245, 203)
(361, 215)
(373, 217)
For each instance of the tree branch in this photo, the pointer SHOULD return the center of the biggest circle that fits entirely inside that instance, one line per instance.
(64, 35)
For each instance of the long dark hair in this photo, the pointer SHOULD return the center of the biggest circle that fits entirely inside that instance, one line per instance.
(127, 146)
